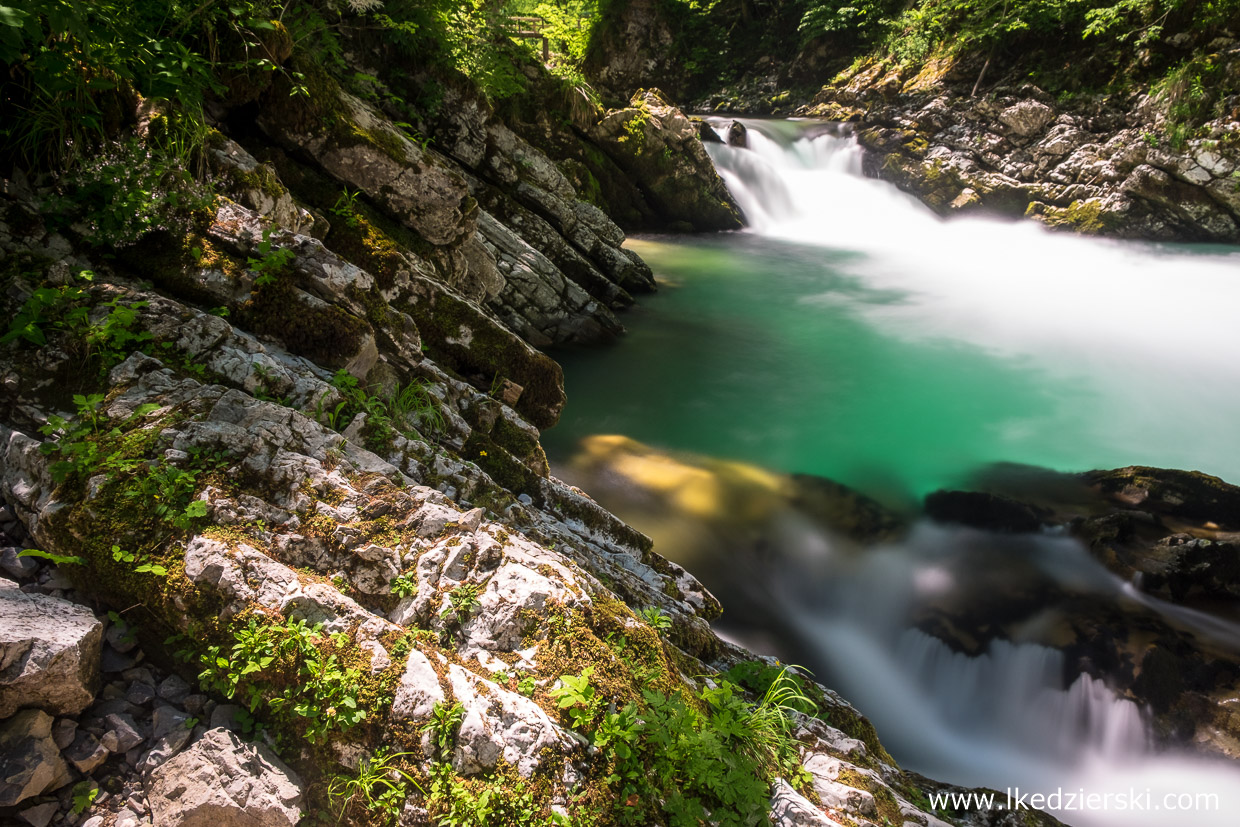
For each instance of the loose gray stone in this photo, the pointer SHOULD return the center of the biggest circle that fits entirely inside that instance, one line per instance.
(86, 752)
(140, 694)
(122, 734)
(40, 815)
(49, 653)
(63, 732)
(19, 568)
(222, 781)
(173, 689)
(30, 764)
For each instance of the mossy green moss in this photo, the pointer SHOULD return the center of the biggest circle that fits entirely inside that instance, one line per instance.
(508, 472)
(322, 333)
(1083, 216)
(358, 239)
(522, 445)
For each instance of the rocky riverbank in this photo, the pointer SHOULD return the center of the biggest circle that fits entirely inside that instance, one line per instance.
(1099, 165)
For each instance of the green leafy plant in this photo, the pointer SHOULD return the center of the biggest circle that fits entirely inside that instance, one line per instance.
(577, 697)
(346, 207)
(290, 671)
(669, 759)
(404, 585)
(84, 795)
(658, 619)
(462, 600)
(527, 686)
(445, 721)
(378, 788)
(271, 262)
(66, 310)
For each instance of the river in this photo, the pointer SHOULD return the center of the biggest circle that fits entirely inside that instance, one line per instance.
(852, 334)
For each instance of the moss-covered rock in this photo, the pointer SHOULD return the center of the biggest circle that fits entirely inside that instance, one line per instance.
(656, 144)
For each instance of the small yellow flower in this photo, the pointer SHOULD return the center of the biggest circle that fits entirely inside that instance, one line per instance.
(482, 453)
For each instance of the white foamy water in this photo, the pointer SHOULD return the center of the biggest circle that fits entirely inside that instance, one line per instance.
(1154, 329)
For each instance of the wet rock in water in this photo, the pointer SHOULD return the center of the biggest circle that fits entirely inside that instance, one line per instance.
(30, 764)
(986, 511)
(738, 135)
(1187, 495)
(221, 781)
(49, 652)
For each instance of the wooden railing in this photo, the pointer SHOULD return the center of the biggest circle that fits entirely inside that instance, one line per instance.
(531, 28)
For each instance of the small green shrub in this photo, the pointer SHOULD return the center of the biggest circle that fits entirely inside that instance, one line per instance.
(445, 721)
(404, 585)
(289, 671)
(688, 760)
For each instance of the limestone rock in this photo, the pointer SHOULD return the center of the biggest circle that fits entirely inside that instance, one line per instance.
(419, 689)
(30, 764)
(49, 652)
(791, 809)
(501, 724)
(361, 148)
(221, 781)
(1027, 118)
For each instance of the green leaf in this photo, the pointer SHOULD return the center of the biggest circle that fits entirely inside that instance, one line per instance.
(10, 16)
(198, 508)
(57, 559)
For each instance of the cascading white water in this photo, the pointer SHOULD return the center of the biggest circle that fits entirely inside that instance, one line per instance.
(1003, 719)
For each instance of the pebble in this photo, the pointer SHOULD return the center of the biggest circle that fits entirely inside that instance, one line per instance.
(140, 694)
(173, 689)
(63, 732)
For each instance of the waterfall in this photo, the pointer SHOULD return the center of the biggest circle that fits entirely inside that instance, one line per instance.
(1003, 717)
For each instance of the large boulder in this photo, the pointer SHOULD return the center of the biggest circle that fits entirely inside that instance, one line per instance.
(222, 781)
(49, 652)
(655, 143)
(30, 764)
